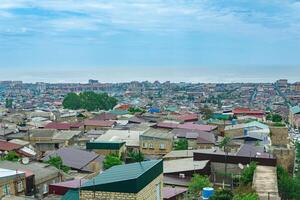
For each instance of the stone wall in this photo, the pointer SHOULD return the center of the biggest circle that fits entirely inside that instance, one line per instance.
(279, 135)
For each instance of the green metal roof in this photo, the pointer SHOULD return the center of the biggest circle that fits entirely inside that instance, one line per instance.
(115, 145)
(220, 116)
(130, 178)
(171, 108)
(71, 195)
(119, 112)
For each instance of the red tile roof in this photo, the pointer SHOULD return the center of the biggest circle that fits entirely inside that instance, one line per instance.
(7, 146)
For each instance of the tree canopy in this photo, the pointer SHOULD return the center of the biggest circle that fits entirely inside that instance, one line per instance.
(136, 156)
(181, 144)
(90, 101)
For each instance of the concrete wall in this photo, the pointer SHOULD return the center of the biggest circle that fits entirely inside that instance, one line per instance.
(156, 146)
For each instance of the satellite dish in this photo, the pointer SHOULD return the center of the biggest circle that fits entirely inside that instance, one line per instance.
(241, 166)
(25, 160)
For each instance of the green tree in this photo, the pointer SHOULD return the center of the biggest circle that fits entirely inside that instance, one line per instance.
(276, 118)
(223, 194)
(57, 162)
(136, 156)
(206, 112)
(252, 196)
(8, 103)
(134, 110)
(90, 101)
(224, 144)
(247, 174)
(196, 185)
(181, 144)
(111, 160)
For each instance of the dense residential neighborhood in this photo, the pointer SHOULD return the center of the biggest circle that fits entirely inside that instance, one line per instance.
(149, 140)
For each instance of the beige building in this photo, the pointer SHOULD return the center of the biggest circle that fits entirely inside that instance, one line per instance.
(156, 141)
(137, 181)
(12, 183)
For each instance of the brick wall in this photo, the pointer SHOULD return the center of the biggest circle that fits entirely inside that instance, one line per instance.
(147, 193)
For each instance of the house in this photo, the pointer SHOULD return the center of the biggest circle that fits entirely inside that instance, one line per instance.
(130, 137)
(156, 141)
(143, 180)
(19, 149)
(12, 182)
(68, 138)
(181, 170)
(196, 139)
(294, 113)
(38, 176)
(62, 126)
(98, 125)
(63, 187)
(248, 112)
(77, 159)
(187, 118)
(174, 193)
(107, 147)
(42, 140)
(247, 128)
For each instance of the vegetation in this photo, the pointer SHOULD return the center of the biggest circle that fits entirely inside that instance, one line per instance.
(250, 196)
(279, 124)
(274, 117)
(111, 160)
(224, 144)
(196, 185)
(206, 112)
(181, 144)
(136, 156)
(134, 110)
(90, 101)
(247, 174)
(57, 162)
(8, 103)
(223, 194)
(11, 156)
(288, 186)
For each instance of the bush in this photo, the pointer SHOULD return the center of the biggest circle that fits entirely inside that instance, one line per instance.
(111, 160)
(57, 162)
(288, 186)
(11, 156)
(196, 185)
(224, 194)
(247, 174)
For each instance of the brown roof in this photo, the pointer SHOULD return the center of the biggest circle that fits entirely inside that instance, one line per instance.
(7, 146)
(99, 123)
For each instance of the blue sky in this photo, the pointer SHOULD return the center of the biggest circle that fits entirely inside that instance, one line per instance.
(177, 40)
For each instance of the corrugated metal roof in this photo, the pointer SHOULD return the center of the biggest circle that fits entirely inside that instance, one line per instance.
(71, 195)
(130, 178)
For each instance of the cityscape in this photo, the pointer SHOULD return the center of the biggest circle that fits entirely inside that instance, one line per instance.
(149, 100)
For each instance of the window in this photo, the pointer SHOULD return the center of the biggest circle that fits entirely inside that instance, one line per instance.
(158, 192)
(145, 145)
(162, 146)
(45, 188)
(6, 189)
(151, 146)
(20, 186)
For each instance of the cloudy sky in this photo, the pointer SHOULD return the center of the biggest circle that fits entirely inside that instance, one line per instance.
(177, 40)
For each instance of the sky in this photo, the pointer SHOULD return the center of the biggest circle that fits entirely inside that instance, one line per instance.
(126, 40)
